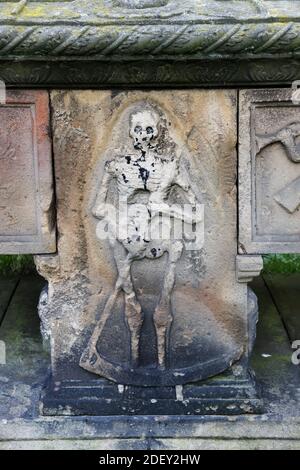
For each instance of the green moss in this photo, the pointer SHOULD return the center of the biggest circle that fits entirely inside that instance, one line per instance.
(10, 264)
(282, 263)
(277, 365)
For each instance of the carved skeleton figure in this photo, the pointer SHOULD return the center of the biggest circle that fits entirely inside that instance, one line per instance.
(143, 173)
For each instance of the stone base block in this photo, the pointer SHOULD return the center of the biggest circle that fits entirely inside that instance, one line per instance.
(226, 396)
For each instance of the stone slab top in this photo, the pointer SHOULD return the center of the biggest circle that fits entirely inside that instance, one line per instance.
(159, 29)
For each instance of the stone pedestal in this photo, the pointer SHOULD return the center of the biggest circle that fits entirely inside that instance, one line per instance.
(142, 322)
(139, 322)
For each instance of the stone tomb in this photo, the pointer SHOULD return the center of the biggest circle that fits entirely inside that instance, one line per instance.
(148, 309)
(136, 320)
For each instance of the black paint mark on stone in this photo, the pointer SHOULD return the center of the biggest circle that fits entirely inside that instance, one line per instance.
(144, 175)
(154, 252)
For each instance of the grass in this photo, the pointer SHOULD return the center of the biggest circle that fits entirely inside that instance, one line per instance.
(16, 264)
(282, 263)
(272, 264)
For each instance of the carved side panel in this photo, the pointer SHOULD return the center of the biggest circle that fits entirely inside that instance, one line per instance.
(26, 190)
(132, 309)
(269, 172)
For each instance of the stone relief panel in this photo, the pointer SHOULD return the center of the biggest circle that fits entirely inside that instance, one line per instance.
(269, 196)
(145, 309)
(26, 209)
(145, 177)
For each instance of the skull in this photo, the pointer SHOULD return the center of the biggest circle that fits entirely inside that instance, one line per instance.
(143, 128)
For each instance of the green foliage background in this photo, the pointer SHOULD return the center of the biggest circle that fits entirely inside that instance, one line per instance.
(282, 263)
(16, 264)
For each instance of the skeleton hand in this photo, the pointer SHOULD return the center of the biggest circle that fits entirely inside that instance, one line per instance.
(100, 210)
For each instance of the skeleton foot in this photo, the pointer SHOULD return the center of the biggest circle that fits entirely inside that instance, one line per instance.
(162, 321)
(134, 317)
(89, 356)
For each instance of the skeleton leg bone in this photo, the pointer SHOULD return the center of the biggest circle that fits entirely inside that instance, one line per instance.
(91, 350)
(163, 313)
(133, 311)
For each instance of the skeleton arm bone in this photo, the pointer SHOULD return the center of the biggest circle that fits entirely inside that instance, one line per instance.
(182, 180)
(99, 209)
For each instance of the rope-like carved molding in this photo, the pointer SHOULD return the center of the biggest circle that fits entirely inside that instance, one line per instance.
(148, 73)
(153, 41)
